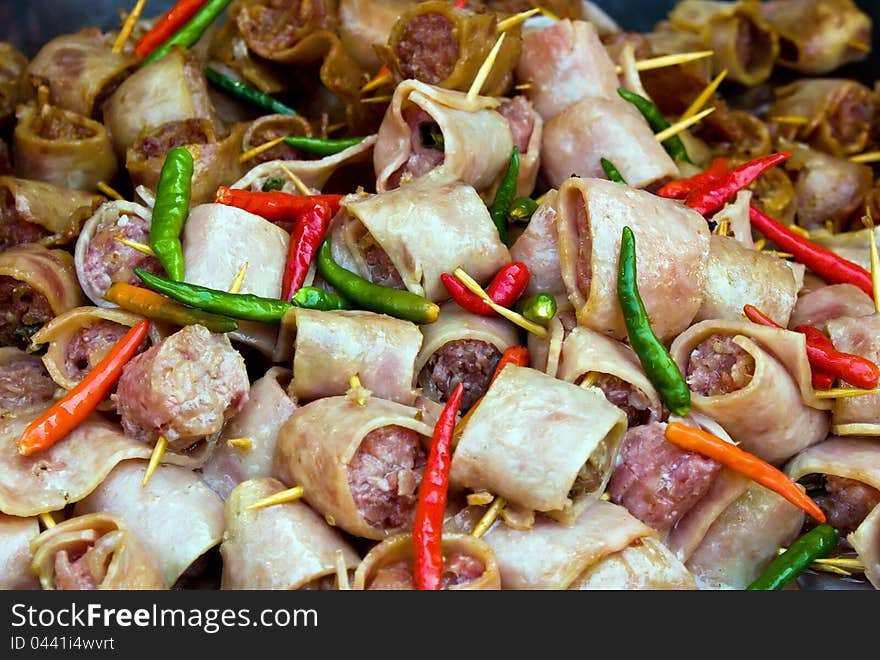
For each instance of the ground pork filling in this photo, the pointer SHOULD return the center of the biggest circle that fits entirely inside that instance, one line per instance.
(718, 366)
(384, 476)
(158, 142)
(55, 126)
(458, 569)
(74, 574)
(89, 346)
(629, 399)
(468, 361)
(846, 502)
(24, 311)
(427, 49)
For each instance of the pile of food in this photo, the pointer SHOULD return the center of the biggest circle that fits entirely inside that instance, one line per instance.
(441, 295)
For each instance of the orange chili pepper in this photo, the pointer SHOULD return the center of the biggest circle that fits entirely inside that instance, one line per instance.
(738, 460)
(518, 355)
(75, 406)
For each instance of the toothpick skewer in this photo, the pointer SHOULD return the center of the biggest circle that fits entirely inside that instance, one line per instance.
(128, 26)
(155, 457)
(241, 443)
(282, 497)
(485, 69)
(489, 517)
(235, 287)
(143, 248)
(867, 157)
(844, 393)
(704, 97)
(669, 60)
(109, 191)
(299, 183)
(256, 151)
(510, 315)
(516, 19)
(47, 520)
(681, 126)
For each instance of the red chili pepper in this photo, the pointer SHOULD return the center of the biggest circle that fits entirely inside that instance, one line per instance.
(75, 406)
(174, 19)
(431, 506)
(275, 206)
(505, 289)
(308, 233)
(826, 264)
(714, 196)
(827, 362)
(518, 355)
(680, 188)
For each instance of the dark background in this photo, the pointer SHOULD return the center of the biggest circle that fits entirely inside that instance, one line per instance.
(30, 23)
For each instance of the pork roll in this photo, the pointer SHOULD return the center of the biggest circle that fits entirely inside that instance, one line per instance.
(860, 335)
(461, 347)
(538, 248)
(756, 383)
(825, 303)
(62, 148)
(270, 127)
(175, 515)
(25, 384)
(95, 551)
(363, 470)
(672, 246)
(36, 285)
(366, 23)
(558, 448)
(258, 424)
(468, 565)
(284, 546)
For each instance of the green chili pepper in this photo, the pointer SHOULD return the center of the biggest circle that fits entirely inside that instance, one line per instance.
(321, 146)
(540, 308)
(171, 209)
(272, 184)
(504, 195)
(245, 92)
(431, 135)
(244, 306)
(611, 171)
(658, 122)
(815, 544)
(658, 364)
(522, 209)
(189, 34)
(382, 299)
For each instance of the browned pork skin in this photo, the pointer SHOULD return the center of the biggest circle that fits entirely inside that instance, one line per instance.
(363, 471)
(40, 212)
(468, 565)
(62, 148)
(12, 66)
(559, 449)
(672, 254)
(286, 546)
(175, 515)
(96, 551)
(183, 389)
(756, 383)
(80, 70)
(36, 284)
(460, 347)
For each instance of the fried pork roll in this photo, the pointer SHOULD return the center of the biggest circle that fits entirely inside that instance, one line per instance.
(79, 69)
(215, 157)
(461, 347)
(270, 127)
(12, 65)
(316, 174)
(427, 128)
(15, 552)
(743, 42)
(92, 552)
(565, 63)
(733, 533)
(538, 248)
(214, 253)
(858, 415)
(62, 148)
(172, 88)
(36, 285)
(40, 212)
(25, 384)
(672, 246)
(737, 275)
(819, 36)
(365, 23)
(614, 368)
(331, 347)
(468, 565)
(77, 340)
(102, 260)
(442, 45)
(67, 471)
(597, 550)
(183, 389)
(409, 236)
(756, 383)
(364, 469)
(830, 302)
(285, 546)
(576, 139)
(839, 112)
(175, 515)
(558, 449)
(246, 447)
